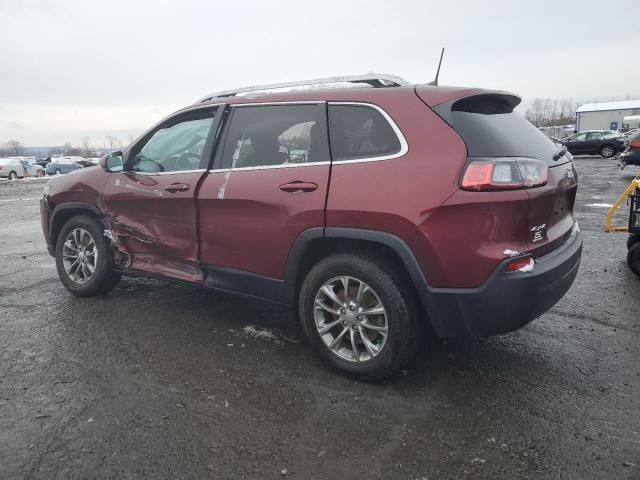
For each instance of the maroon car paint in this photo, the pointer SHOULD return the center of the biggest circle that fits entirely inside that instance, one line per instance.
(248, 223)
(241, 219)
(157, 227)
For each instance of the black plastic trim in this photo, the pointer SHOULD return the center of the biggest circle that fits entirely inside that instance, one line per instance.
(68, 206)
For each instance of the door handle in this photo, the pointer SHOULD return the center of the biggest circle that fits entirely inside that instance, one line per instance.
(177, 187)
(299, 187)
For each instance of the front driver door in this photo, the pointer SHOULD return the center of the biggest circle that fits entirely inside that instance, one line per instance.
(576, 144)
(150, 205)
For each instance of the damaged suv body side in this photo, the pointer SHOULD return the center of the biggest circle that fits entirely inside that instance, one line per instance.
(369, 210)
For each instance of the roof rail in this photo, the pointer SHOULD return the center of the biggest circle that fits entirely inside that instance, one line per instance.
(376, 80)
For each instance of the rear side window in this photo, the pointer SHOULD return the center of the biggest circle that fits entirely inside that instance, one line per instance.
(490, 128)
(360, 131)
(276, 135)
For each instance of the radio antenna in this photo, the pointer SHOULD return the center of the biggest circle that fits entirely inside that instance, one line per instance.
(435, 80)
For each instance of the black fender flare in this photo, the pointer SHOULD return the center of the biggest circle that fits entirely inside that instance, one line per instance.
(58, 209)
(394, 242)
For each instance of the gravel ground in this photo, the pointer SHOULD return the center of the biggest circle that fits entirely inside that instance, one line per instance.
(159, 380)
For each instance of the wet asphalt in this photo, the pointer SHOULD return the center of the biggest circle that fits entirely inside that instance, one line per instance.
(160, 380)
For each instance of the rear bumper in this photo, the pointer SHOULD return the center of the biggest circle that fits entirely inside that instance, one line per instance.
(506, 301)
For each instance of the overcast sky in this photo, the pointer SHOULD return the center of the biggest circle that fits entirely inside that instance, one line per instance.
(70, 68)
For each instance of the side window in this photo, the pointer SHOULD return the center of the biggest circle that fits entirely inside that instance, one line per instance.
(359, 131)
(580, 137)
(272, 135)
(594, 135)
(176, 147)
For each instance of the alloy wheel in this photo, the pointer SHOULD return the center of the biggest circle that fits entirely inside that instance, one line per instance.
(79, 255)
(351, 319)
(607, 151)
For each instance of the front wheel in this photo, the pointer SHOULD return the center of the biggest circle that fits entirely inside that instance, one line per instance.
(359, 316)
(83, 258)
(58, 172)
(13, 175)
(607, 151)
(40, 173)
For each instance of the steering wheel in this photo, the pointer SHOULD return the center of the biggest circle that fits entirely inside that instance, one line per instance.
(188, 161)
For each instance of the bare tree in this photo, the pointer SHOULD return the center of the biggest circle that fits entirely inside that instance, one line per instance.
(86, 145)
(14, 148)
(111, 140)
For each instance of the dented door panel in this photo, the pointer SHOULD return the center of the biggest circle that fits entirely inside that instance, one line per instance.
(154, 229)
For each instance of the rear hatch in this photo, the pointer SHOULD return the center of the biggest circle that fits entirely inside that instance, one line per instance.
(492, 132)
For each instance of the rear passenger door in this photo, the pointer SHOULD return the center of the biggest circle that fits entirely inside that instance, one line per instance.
(268, 185)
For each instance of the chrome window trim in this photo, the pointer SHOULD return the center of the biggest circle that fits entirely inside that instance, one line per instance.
(173, 172)
(266, 104)
(270, 167)
(404, 146)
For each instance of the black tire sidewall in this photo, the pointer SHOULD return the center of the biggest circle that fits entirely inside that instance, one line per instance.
(104, 277)
(400, 315)
(633, 258)
(633, 239)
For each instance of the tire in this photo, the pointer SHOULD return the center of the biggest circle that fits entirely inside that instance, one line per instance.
(58, 172)
(103, 278)
(384, 355)
(632, 239)
(13, 175)
(633, 258)
(607, 151)
(40, 173)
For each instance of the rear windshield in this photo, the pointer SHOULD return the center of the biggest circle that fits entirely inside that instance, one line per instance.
(490, 128)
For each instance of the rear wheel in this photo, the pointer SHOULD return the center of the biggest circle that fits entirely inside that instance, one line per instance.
(83, 258)
(12, 175)
(58, 172)
(359, 316)
(633, 239)
(633, 258)
(607, 151)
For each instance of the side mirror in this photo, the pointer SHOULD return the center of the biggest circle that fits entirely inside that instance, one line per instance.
(113, 162)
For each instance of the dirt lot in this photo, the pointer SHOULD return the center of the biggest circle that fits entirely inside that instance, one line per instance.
(158, 380)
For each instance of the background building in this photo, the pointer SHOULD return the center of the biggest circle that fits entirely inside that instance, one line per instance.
(606, 116)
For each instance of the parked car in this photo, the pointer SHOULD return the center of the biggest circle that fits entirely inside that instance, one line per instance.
(631, 156)
(405, 217)
(58, 167)
(595, 142)
(12, 168)
(42, 161)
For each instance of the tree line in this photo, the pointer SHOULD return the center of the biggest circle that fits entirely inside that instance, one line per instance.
(547, 112)
(15, 148)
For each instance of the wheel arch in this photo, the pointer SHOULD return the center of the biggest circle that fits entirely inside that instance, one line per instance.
(63, 212)
(314, 244)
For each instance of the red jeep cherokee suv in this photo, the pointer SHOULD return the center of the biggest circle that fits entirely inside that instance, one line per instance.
(377, 212)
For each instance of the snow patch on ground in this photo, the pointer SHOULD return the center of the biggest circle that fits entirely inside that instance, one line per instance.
(263, 334)
(599, 205)
(30, 199)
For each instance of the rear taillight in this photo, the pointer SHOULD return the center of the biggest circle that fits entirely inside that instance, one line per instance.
(482, 175)
(635, 144)
(523, 265)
